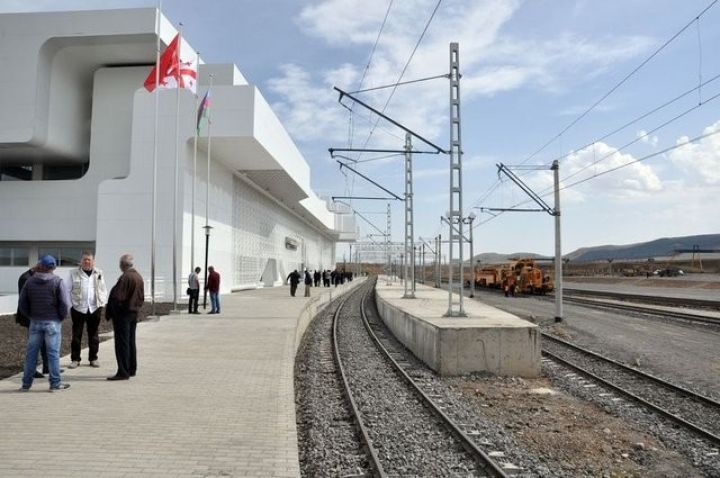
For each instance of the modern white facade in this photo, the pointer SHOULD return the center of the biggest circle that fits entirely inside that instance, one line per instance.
(76, 160)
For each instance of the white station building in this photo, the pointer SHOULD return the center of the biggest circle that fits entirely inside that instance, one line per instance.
(76, 161)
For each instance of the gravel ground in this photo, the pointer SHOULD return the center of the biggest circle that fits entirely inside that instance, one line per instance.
(409, 438)
(545, 432)
(327, 439)
(682, 353)
(548, 427)
(13, 340)
(699, 453)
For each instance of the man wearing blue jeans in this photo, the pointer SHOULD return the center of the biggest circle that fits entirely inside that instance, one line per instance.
(44, 300)
(213, 286)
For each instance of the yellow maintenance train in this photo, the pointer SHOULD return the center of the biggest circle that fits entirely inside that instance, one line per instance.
(521, 276)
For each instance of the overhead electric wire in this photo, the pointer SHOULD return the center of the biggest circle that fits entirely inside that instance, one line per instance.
(351, 128)
(625, 79)
(645, 135)
(698, 88)
(607, 171)
(445, 75)
(402, 73)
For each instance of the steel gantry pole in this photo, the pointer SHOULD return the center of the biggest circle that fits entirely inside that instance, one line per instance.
(558, 246)
(409, 233)
(387, 245)
(455, 213)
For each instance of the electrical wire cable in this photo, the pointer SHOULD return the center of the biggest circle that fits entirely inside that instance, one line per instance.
(623, 81)
(608, 171)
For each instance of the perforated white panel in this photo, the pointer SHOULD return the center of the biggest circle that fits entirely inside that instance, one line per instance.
(260, 227)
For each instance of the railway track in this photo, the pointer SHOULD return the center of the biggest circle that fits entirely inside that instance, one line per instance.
(404, 431)
(672, 314)
(694, 412)
(646, 299)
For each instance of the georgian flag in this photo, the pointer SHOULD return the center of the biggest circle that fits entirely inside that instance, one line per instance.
(174, 71)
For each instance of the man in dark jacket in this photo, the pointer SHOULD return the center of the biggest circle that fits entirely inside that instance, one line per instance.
(294, 279)
(213, 287)
(316, 278)
(25, 322)
(44, 301)
(124, 303)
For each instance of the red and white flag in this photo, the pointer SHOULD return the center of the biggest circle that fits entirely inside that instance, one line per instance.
(174, 71)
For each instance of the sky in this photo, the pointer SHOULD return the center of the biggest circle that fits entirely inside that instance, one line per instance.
(542, 80)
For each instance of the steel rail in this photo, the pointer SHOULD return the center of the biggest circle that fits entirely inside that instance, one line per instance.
(483, 459)
(699, 430)
(374, 458)
(688, 302)
(704, 319)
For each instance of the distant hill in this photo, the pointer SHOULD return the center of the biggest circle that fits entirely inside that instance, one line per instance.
(658, 248)
(495, 258)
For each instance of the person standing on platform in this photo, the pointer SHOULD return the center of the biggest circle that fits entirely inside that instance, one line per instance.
(326, 278)
(88, 295)
(213, 287)
(194, 291)
(25, 322)
(316, 278)
(44, 301)
(294, 279)
(308, 283)
(124, 304)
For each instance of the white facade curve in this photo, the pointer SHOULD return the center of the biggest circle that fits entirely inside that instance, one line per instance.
(76, 160)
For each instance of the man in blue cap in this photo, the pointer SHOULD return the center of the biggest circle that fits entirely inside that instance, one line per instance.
(44, 301)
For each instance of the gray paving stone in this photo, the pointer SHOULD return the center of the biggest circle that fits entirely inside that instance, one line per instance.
(213, 396)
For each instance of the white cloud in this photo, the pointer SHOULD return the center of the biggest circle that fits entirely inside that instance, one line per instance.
(633, 182)
(491, 63)
(646, 138)
(701, 160)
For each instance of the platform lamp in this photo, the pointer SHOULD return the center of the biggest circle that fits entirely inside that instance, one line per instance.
(207, 248)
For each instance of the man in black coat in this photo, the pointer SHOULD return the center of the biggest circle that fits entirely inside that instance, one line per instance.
(294, 279)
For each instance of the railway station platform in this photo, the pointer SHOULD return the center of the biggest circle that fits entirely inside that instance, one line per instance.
(486, 340)
(214, 396)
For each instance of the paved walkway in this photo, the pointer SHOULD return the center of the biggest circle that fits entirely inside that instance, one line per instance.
(213, 397)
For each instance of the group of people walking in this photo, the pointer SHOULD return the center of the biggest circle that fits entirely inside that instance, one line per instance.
(45, 300)
(328, 277)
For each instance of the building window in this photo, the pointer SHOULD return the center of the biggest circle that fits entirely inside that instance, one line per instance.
(14, 256)
(66, 256)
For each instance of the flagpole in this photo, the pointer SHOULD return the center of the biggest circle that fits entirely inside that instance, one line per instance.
(207, 200)
(177, 176)
(195, 138)
(155, 159)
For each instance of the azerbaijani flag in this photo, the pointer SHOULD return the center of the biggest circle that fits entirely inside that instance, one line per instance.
(203, 109)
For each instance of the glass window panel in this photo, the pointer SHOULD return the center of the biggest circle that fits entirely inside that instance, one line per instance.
(43, 251)
(21, 256)
(70, 256)
(5, 256)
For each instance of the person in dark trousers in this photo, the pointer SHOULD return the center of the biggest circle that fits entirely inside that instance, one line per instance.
(25, 322)
(294, 278)
(125, 301)
(44, 301)
(213, 286)
(316, 278)
(326, 278)
(333, 278)
(88, 295)
(194, 291)
(308, 283)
